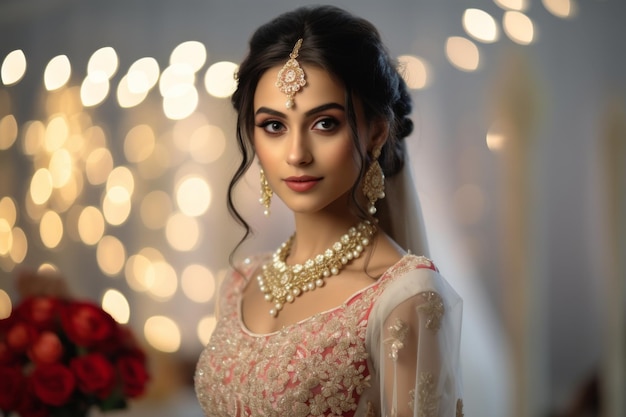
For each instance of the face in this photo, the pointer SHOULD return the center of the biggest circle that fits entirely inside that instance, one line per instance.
(307, 152)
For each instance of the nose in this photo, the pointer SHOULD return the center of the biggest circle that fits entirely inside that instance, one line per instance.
(299, 152)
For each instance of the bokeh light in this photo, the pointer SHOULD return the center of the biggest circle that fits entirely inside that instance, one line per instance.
(191, 53)
(91, 225)
(110, 255)
(6, 237)
(5, 305)
(198, 283)
(19, 248)
(142, 75)
(480, 25)
(98, 166)
(495, 137)
(180, 101)
(414, 71)
(126, 97)
(193, 196)
(116, 205)
(565, 9)
(207, 144)
(182, 232)
(41, 186)
(57, 72)
(518, 27)
(116, 304)
(519, 5)
(139, 143)
(51, 229)
(219, 79)
(8, 210)
(60, 167)
(205, 329)
(57, 132)
(34, 132)
(162, 333)
(164, 283)
(8, 131)
(13, 67)
(94, 90)
(121, 177)
(102, 64)
(462, 53)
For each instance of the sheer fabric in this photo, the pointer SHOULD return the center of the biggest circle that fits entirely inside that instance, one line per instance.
(390, 350)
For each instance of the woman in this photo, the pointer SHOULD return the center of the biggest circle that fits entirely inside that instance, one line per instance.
(339, 320)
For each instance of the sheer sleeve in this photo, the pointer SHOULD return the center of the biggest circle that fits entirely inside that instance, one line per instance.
(414, 336)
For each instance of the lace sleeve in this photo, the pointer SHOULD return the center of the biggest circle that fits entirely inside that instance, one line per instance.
(414, 339)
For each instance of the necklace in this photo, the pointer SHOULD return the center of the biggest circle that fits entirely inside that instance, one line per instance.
(283, 283)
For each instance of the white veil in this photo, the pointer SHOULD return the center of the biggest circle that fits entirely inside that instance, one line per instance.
(400, 213)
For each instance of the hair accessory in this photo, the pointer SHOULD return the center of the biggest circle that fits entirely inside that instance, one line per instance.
(291, 76)
(374, 181)
(266, 193)
(283, 283)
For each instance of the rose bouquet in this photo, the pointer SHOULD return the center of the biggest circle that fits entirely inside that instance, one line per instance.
(62, 357)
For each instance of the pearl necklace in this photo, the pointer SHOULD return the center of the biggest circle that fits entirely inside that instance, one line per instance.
(283, 283)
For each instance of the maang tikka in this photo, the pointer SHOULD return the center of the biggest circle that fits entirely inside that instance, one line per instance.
(374, 181)
(291, 76)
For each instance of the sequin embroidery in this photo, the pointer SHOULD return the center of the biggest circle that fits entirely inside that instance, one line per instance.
(315, 367)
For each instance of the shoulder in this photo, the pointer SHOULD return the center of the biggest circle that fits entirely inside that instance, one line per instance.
(413, 275)
(242, 271)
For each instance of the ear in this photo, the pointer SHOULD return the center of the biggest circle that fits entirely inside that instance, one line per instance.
(378, 134)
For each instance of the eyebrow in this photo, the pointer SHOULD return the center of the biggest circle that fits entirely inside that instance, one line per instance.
(314, 110)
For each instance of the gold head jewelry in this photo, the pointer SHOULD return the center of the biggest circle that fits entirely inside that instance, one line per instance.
(282, 283)
(374, 181)
(291, 76)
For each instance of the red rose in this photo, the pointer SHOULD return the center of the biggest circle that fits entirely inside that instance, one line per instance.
(134, 375)
(7, 356)
(53, 384)
(94, 374)
(21, 336)
(86, 324)
(11, 384)
(41, 312)
(31, 406)
(46, 349)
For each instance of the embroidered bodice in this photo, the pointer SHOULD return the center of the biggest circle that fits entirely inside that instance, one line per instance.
(328, 364)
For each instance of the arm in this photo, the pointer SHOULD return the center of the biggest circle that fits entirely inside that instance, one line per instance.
(418, 349)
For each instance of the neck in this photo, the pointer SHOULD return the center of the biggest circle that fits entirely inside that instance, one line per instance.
(317, 232)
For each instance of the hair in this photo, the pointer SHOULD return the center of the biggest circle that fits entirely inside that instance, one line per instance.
(348, 47)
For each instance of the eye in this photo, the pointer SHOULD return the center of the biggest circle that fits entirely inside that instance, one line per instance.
(326, 124)
(272, 126)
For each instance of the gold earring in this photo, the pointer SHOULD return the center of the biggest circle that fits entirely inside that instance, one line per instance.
(374, 182)
(266, 194)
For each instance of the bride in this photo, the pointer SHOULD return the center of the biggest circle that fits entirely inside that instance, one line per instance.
(347, 317)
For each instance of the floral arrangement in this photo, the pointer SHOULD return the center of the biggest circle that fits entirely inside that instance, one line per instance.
(61, 357)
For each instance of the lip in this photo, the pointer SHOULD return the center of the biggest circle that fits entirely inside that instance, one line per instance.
(302, 183)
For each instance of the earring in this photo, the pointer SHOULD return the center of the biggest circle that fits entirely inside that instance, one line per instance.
(266, 194)
(374, 182)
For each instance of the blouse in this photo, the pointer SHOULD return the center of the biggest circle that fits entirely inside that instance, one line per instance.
(391, 349)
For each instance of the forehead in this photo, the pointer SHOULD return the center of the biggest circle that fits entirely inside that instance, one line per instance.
(321, 87)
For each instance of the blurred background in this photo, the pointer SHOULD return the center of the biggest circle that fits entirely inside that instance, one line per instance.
(116, 147)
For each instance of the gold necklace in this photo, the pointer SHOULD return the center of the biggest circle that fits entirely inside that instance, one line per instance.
(283, 283)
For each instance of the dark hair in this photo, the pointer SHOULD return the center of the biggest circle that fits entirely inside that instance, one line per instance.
(348, 47)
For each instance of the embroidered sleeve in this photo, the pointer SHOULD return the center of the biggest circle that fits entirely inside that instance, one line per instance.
(418, 362)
